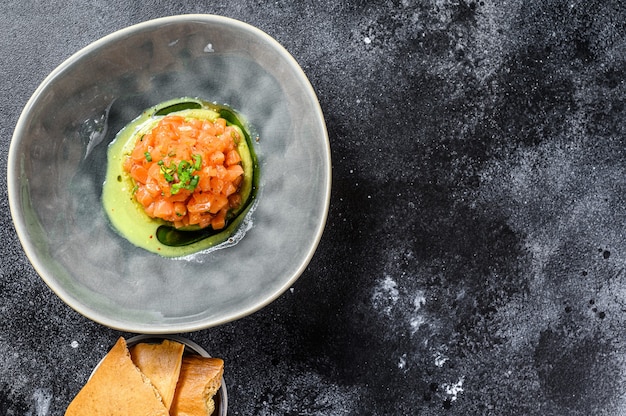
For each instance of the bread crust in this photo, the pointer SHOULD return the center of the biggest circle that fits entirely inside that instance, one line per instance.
(161, 363)
(117, 387)
(200, 379)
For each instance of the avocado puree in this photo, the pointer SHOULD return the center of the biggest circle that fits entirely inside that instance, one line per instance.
(128, 216)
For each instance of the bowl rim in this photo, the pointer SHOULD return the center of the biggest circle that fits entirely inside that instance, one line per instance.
(13, 180)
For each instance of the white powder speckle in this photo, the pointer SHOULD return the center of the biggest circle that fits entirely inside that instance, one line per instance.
(385, 295)
(42, 399)
(402, 362)
(415, 323)
(453, 390)
(417, 320)
(440, 359)
(419, 300)
(74, 344)
(367, 40)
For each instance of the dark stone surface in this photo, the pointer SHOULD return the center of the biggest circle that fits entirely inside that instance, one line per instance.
(474, 257)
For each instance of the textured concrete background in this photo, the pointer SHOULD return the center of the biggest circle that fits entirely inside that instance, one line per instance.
(474, 257)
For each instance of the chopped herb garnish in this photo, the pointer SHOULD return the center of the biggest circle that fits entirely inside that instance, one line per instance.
(148, 156)
(168, 172)
(182, 176)
(197, 159)
(194, 181)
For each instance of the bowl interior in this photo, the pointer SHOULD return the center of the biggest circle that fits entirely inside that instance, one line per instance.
(57, 162)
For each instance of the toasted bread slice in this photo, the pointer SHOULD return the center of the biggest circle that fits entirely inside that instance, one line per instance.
(161, 364)
(117, 387)
(200, 379)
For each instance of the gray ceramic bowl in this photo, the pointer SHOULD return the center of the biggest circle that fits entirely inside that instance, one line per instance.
(57, 163)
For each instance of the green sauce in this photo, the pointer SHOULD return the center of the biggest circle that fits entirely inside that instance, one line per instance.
(128, 216)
